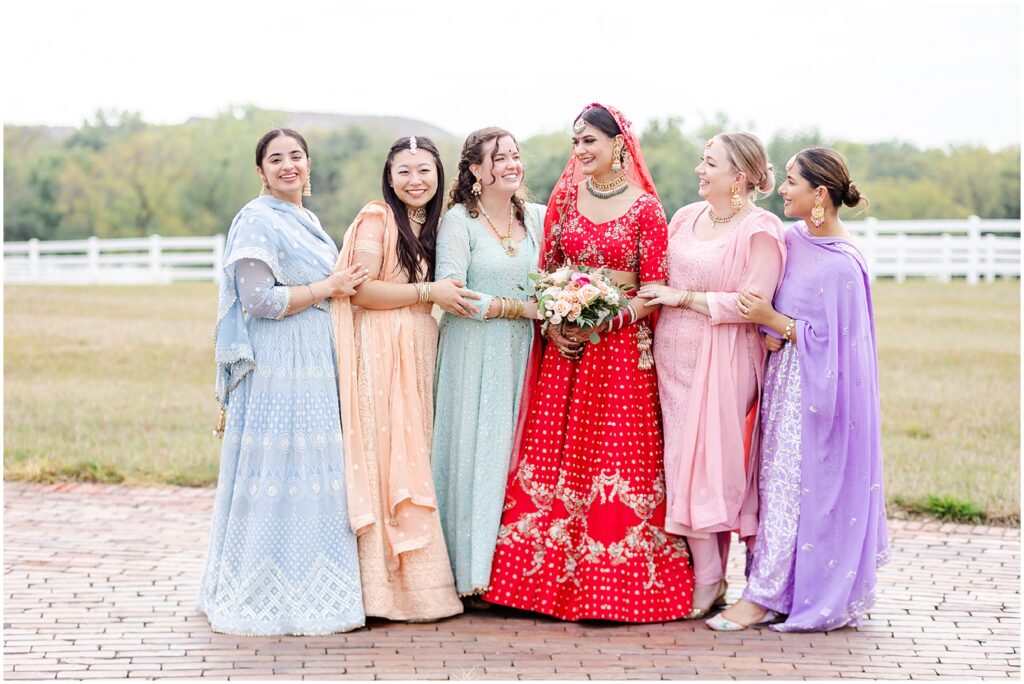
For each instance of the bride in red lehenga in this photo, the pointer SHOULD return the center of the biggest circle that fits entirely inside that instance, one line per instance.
(582, 535)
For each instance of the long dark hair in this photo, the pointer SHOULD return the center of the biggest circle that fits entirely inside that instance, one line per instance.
(411, 249)
(473, 153)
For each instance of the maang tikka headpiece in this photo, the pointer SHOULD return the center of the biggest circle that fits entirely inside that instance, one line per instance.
(580, 124)
(412, 144)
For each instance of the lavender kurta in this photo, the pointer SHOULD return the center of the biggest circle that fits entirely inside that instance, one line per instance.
(840, 537)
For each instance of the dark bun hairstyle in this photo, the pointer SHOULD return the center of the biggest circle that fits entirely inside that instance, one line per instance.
(823, 166)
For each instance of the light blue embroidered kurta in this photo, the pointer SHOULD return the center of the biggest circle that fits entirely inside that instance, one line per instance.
(479, 377)
(282, 555)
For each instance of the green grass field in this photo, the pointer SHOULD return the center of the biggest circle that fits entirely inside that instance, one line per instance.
(115, 384)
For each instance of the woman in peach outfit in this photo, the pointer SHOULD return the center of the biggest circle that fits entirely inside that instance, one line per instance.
(710, 360)
(387, 343)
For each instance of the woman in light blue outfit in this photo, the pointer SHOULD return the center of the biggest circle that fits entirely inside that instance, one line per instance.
(282, 555)
(490, 239)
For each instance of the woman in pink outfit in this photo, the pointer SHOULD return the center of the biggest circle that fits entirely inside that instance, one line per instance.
(710, 361)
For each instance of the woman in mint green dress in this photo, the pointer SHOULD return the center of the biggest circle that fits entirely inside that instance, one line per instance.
(490, 239)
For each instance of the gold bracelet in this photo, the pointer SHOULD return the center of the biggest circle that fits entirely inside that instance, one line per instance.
(789, 329)
(519, 308)
(423, 292)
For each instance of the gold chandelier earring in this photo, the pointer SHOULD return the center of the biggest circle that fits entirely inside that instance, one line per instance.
(616, 159)
(307, 188)
(736, 202)
(264, 190)
(818, 212)
(477, 188)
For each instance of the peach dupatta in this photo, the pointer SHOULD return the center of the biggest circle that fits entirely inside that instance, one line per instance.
(377, 352)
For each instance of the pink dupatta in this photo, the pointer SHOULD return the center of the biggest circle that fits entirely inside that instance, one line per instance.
(706, 495)
(384, 339)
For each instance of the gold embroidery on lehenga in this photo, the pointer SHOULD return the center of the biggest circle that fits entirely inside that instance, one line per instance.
(643, 540)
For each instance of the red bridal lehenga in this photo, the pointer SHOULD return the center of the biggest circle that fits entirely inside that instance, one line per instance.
(582, 534)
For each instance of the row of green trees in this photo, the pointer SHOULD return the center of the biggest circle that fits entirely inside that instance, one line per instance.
(118, 176)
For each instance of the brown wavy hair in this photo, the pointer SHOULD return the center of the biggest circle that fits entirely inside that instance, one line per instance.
(473, 153)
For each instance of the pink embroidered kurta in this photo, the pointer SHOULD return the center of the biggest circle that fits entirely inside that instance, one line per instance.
(710, 371)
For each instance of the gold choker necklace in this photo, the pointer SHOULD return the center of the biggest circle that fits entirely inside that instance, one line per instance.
(719, 220)
(418, 215)
(609, 188)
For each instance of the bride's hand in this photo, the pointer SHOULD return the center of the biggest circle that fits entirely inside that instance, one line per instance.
(565, 346)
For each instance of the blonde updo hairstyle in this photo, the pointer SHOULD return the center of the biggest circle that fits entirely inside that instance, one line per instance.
(746, 153)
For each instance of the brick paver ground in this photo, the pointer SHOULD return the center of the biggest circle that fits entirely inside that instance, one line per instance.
(100, 582)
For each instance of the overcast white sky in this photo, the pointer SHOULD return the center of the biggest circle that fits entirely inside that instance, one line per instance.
(932, 72)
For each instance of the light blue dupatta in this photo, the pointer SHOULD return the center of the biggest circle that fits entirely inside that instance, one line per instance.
(291, 241)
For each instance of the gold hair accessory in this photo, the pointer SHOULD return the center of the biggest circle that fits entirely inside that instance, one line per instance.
(417, 215)
(412, 144)
(736, 201)
(818, 212)
(579, 125)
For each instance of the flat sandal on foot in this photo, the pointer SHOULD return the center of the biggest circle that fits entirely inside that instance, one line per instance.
(724, 624)
(698, 613)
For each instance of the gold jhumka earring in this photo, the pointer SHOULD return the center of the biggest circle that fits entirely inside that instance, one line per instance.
(307, 188)
(736, 202)
(818, 212)
(616, 159)
(264, 190)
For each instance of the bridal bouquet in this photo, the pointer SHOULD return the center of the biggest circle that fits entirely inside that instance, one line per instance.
(585, 297)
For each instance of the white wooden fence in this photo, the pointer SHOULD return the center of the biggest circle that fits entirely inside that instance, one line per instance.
(153, 260)
(971, 248)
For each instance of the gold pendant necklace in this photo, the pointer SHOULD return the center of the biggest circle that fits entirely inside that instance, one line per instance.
(508, 245)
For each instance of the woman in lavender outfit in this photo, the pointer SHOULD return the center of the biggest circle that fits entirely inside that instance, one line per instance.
(821, 534)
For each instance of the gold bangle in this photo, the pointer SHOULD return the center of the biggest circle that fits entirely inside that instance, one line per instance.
(789, 329)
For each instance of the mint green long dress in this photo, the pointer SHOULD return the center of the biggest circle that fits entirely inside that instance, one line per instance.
(479, 378)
